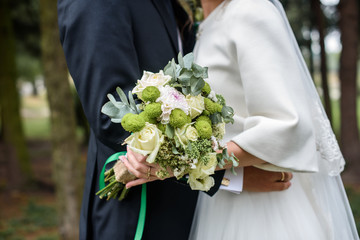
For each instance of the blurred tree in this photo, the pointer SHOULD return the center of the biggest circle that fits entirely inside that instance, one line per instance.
(65, 154)
(320, 26)
(349, 21)
(25, 18)
(12, 130)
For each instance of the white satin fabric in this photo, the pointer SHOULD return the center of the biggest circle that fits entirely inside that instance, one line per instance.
(255, 64)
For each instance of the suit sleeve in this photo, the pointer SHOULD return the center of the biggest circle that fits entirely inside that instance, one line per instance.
(97, 40)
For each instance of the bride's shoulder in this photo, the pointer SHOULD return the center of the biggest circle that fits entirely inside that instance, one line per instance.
(252, 10)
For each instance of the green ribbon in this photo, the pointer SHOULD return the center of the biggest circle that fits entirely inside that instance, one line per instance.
(142, 212)
(112, 158)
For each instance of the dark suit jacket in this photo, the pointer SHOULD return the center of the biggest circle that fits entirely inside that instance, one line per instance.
(108, 43)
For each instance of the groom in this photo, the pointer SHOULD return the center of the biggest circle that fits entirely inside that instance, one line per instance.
(108, 43)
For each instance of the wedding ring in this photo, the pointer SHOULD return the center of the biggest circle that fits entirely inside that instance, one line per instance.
(282, 177)
(148, 173)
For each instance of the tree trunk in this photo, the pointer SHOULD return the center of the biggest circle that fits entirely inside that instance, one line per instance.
(350, 143)
(12, 131)
(65, 153)
(319, 22)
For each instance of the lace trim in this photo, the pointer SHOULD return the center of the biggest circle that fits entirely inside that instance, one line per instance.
(326, 143)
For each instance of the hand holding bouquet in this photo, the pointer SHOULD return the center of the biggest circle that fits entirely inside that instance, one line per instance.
(178, 125)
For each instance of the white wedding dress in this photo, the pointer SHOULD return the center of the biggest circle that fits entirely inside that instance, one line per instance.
(255, 64)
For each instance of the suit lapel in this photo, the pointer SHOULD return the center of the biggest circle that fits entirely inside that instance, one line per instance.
(165, 10)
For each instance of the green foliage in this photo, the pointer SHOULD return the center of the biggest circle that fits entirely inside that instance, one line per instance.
(187, 74)
(224, 156)
(167, 158)
(354, 199)
(198, 149)
(116, 110)
(28, 67)
(169, 131)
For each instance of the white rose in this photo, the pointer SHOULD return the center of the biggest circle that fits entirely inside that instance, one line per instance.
(146, 142)
(150, 79)
(186, 133)
(196, 104)
(202, 184)
(210, 166)
(191, 133)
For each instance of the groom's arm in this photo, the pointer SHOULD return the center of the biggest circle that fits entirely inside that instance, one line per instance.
(251, 179)
(97, 41)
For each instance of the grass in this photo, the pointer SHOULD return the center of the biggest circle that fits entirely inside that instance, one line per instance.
(37, 221)
(36, 121)
(37, 128)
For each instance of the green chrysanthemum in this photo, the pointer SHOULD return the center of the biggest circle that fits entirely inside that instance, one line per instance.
(204, 129)
(150, 94)
(147, 118)
(178, 118)
(203, 118)
(132, 122)
(211, 106)
(153, 110)
(206, 89)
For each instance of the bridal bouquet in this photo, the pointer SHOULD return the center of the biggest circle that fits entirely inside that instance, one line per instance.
(178, 123)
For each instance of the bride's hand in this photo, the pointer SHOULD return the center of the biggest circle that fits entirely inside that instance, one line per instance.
(137, 165)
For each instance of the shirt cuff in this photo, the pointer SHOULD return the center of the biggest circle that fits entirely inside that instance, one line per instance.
(233, 183)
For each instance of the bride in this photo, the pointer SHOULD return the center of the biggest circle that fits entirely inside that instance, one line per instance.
(255, 63)
(280, 125)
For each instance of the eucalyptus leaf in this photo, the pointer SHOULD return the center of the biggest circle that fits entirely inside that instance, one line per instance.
(115, 113)
(180, 59)
(184, 77)
(122, 96)
(186, 90)
(114, 102)
(170, 69)
(178, 70)
(116, 120)
(167, 68)
(169, 131)
(188, 60)
(215, 118)
(110, 109)
(132, 103)
(199, 71)
(196, 85)
(174, 150)
(228, 114)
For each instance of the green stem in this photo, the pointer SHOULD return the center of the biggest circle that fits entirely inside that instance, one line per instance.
(123, 194)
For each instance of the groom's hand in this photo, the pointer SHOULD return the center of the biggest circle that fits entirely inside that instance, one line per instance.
(257, 180)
